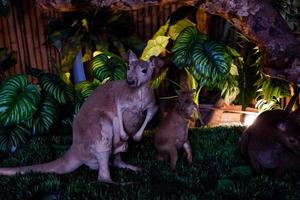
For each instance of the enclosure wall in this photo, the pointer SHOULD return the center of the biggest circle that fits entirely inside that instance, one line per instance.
(24, 32)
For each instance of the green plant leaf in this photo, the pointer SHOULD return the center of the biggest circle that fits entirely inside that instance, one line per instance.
(158, 79)
(178, 27)
(230, 89)
(248, 75)
(44, 117)
(211, 60)
(19, 100)
(263, 105)
(84, 89)
(12, 137)
(155, 47)
(269, 93)
(104, 66)
(183, 47)
(57, 88)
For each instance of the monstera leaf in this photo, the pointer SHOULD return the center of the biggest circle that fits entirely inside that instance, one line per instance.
(211, 60)
(84, 89)
(184, 45)
(11, 137)
(208, 61)
(155, 82)
(19, 100)
(44, 117)
(104, 66)
(57, 88)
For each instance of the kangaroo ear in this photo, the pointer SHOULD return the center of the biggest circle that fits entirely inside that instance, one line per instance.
(282, 126)
(131, 56)
(295, 114)
(155, 62)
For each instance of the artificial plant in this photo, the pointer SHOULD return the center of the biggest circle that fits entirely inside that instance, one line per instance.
(91, 31)
(207, 61)
(215, 64)
(29, 109)
(252, 83)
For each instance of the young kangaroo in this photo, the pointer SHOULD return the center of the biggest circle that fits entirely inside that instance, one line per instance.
(173, 130)
(98, 130)
(273, 140)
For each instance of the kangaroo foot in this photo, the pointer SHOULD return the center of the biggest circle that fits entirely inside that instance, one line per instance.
(121, 164)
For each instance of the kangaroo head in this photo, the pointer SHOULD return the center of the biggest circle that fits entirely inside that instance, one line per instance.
(289, 136)
(186, 103)
(139, 72)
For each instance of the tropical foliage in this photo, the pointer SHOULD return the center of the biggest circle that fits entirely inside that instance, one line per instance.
(208, 61)
(218, 171)
(19, 100)
(51, 103)
(108, 66)
(89, 32)
(27, 108)
(270, 91)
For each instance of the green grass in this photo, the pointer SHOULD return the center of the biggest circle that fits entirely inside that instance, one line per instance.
(218, 172)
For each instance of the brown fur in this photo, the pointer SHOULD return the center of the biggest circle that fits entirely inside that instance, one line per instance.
(173, 130)
(272, 142)
(98, 131)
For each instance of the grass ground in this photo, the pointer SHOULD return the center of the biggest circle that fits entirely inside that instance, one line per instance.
(218, 172)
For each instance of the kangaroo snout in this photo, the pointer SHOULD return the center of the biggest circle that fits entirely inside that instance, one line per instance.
(131, 82)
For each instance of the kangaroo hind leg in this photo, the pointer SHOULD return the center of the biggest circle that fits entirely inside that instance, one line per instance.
(121, 164)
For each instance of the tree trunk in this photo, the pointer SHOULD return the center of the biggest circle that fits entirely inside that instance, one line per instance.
(264, 26)
(256, 19)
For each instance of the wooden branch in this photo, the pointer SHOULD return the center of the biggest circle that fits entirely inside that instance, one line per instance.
(264, 26)
(256, 19)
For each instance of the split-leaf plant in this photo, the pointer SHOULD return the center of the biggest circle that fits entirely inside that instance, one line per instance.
(28, 109)
(215, 65)
(208, 62)
(89, 32)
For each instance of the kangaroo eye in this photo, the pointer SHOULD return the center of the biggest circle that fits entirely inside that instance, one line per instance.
(144, 71)
(292, 140)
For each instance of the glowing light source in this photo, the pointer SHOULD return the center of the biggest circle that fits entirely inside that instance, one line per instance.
(249, 119)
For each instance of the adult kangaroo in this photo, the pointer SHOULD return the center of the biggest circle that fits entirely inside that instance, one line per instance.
(98, 129)
(273, 140)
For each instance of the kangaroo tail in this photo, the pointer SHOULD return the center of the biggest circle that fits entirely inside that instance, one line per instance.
(67, 163)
